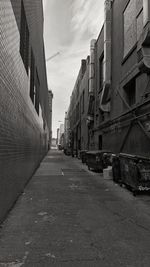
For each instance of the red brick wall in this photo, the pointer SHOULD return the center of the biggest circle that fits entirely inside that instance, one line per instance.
(23, 141)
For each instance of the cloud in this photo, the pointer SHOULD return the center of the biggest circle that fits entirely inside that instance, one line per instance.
(69, 27)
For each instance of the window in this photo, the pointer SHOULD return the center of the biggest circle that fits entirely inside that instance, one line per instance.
(77, 89)
(83, 102)
(130, 92)
(37, 87)
(32, 79)
(80, 104)
(101, 71)
(102, 116)
(77, 112)
(24, 39)
(133, 24)
(88, 86)
(34, 84)
(100, 142)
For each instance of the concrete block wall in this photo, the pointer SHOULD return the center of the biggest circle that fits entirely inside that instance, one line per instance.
(23, 140)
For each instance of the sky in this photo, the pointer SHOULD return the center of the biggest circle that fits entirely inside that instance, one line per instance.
(69, 26)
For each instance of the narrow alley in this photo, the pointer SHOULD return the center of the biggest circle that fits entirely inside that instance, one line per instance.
(69, 216)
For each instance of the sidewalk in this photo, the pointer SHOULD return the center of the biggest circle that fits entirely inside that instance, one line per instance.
(69, 216)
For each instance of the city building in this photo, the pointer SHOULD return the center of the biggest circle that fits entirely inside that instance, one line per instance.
(118, 103)
(24, 111)
(77, 112)
(54, 143)
(60, 136)
(67, 140)
(124, 99)
(50, 100)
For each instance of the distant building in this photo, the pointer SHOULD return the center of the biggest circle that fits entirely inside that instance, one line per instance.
(54, 142)
(60, 136)
(50, 100)
(78, 109)
(24, 112)
(67, 135)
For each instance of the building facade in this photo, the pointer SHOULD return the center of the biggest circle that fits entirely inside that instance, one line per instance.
(119, 83)
(60, 136)
(24, 112)
(67, 144)
(50, 101)
(77, 112)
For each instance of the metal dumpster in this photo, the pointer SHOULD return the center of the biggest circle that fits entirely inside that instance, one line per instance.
(94, 160)
(116, 168)
(135, 172)
(144, 173)
(83, 155)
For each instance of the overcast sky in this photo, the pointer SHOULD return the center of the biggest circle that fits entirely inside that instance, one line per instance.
(69, 27)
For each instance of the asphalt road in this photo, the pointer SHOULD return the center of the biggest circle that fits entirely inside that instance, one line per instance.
(69, 216)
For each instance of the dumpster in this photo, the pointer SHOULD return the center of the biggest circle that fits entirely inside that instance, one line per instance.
(116, 168)
(135, 172)
(83, 155)
(94, 160)
(144, 173)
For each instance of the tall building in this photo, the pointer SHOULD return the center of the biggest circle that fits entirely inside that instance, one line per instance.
(50, 100)
(77, 111)
(122, 83)
(118, 102)
(24, 112)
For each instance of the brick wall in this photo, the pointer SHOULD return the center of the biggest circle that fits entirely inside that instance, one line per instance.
(23, 140)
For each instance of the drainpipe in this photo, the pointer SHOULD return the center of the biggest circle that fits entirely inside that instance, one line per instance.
(105, 101)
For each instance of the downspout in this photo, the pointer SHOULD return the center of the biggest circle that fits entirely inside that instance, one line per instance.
(105, 97)
(90, 115)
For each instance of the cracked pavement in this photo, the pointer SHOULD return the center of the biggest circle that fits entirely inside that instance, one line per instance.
(69, 216)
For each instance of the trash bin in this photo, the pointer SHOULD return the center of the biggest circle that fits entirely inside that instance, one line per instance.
(144, 173)
(135, 172)
(83, 155)
(107, 159)
(116, 168)
(94, 159)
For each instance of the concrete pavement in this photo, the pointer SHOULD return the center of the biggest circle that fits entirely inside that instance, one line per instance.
(69, 216)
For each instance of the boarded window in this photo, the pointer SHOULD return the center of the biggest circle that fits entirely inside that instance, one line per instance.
(130, 92)
(133, 24)
(100, 142)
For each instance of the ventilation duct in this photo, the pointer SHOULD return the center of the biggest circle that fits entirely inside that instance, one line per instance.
(90, 114)
(105, 97)
(91, 67)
